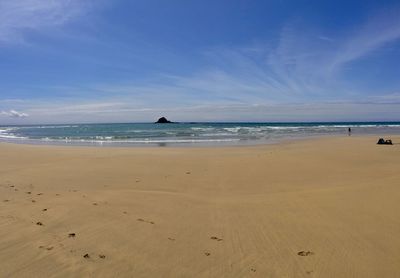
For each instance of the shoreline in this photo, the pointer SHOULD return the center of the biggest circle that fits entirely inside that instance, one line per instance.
(187, 134)
(244, 143)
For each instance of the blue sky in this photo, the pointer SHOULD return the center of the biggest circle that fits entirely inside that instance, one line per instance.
(64, 61)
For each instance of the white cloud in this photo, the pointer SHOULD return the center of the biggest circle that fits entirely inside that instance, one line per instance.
(19, 16)
(128, 110)
(376, 33)
(324, 38)
(386, 98)
(14, 114)
(295, 79)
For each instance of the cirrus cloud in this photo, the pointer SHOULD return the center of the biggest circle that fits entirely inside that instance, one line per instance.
(18, 17)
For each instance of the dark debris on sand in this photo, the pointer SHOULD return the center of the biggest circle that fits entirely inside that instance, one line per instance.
(305, 253)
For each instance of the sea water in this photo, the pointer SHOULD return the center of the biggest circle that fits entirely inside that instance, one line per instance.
(182, 134)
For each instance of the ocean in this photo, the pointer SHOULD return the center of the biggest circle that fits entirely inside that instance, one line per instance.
(186, 134)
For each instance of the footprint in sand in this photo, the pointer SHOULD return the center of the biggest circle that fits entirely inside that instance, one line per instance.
(71, 235)
(6, 201)
(28, 192)
(102, 256)
(253, 270)
(305, 253)
(95, 204)
(39, 223)
(33, 201)
(47, 248)
(187, 173)
(39, 194)
(146, 221)
(207, 253)
(86, 256)
(216, 238)
(44, 209)
(171, 239)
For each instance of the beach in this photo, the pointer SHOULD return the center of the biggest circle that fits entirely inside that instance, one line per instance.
(322, 207)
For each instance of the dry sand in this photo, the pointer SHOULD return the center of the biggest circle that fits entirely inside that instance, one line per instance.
(315, 208)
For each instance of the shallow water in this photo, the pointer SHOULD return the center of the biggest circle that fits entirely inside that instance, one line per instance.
(138, 134)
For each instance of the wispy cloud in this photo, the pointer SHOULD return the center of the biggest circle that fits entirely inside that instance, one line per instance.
(18, 17)
(324, 38)
(377, 32)
(14, 114)
(393, 98)
(298, 76)
(86, 112)
(300, 66)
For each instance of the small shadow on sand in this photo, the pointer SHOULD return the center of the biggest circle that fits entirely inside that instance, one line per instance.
(47, 248)
(145, 221)
(305, 253)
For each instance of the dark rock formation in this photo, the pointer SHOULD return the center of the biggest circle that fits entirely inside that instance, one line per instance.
(163, 120)
(382, 141)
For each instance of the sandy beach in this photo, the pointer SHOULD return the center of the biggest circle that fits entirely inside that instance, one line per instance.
(325, 207)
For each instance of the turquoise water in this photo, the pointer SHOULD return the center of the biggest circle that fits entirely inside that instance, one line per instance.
(137, 134)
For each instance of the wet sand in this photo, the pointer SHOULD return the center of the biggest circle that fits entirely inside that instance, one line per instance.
(315, 208)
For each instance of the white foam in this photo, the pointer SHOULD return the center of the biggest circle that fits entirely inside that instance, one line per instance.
(202, 128)
(6, 134)
(143, 141)
(48, 126)
(232, 129)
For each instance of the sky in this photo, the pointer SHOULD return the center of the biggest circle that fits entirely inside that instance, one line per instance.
(91, 61)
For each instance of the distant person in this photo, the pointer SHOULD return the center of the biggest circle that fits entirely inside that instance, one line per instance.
(349, 131)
